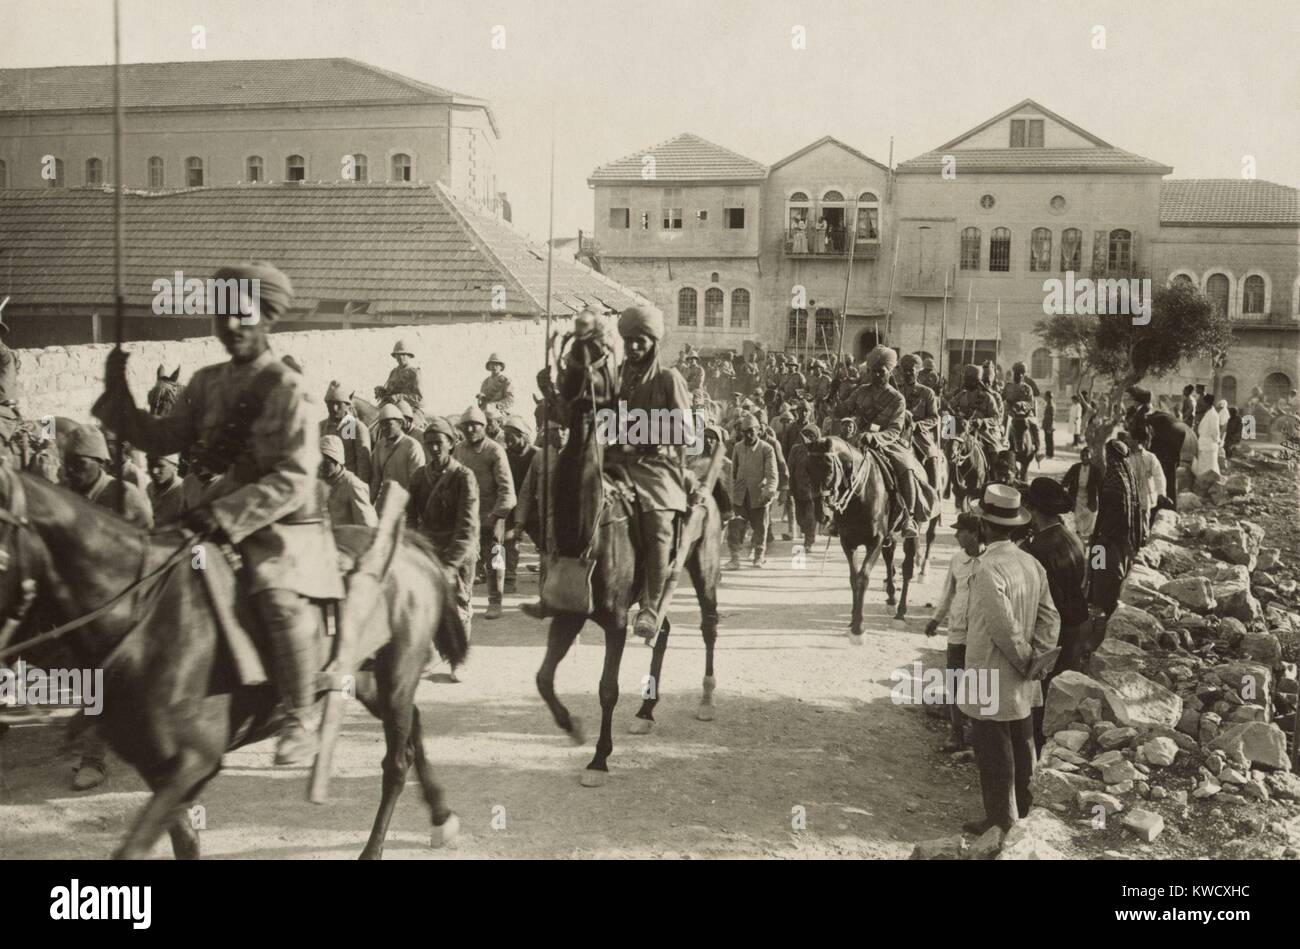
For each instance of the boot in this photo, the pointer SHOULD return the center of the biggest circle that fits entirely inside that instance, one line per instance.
(291, 630)
(297, 744)
(90, 774)
(734, 562)
(657, 530)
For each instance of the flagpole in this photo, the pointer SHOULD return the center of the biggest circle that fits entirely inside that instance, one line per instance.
(545, 506)
(119, 230)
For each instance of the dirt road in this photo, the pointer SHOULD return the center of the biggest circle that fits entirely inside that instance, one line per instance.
(805, 728)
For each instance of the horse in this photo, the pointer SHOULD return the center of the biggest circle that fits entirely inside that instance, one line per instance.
(1024, 445)
(129, 603)
(166, 391)
(855, 486)
(970, 463)
(598, 521)
(367, 413)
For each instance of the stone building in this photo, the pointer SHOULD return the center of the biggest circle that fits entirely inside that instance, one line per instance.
(217, 123)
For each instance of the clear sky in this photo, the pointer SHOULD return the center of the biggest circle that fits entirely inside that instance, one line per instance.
(1191, 83)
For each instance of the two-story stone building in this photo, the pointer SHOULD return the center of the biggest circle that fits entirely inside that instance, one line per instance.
(219, 123)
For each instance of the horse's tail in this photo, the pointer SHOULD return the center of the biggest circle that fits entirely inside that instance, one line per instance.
(450, 638)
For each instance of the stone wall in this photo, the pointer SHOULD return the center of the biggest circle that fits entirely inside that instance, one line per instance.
(66, 380)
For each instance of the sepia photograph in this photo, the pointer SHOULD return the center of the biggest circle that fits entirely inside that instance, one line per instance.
(495, 431)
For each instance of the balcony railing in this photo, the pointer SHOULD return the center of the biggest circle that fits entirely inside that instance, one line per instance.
(829, 243)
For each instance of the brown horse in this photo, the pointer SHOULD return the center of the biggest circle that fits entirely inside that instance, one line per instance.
(172, 702)
(599, 520)
(854, 487)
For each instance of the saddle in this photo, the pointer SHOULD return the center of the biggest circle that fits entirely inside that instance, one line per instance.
(926, 497)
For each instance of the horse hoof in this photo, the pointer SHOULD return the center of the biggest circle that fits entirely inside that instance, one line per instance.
(891, 600)
(901, 614)
(594, 779)
(577, 734)
(705, 713)
(855, 639)
(640, 726)
(445, 832)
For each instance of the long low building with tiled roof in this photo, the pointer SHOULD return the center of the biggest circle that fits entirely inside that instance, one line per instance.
(357, 254)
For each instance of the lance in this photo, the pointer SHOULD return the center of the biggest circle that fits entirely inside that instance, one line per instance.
(965, 326)
(848, 279)
(997, 342)
(943, 327)
(545, 506)
(119, 230)
(889, 306)
(974, 337)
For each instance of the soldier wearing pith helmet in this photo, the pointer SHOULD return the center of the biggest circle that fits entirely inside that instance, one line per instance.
(496, 388)
(656, 471)
(259, 426)
(404, 378)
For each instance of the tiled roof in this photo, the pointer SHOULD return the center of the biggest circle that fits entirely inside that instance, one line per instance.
(687, 157)
(1228, 201)
(402, 249)
(1035, 160)
(213, 83)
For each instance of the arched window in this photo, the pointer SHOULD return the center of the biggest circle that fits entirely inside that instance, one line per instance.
(1000, 250)
(1217, 291)
(1040, 250)
(970, 248)
(1228, 389)
(401, 167)
(295, 169)
(1183, 280)
(1252, 295)
(1119, 252)
(739, 309)
(714, 300)
(156, 179)
(255, 168)
(868, 217)
(94, 171)
(360, 168)
(686, 306)
(798, 223)
(1071, 249)
(1040, 364)
(833, 211)
(194, 172)
(57, 181)
(1277, 385)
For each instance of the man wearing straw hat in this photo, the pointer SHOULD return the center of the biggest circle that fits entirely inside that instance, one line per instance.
(1012, 622)
(404, 378)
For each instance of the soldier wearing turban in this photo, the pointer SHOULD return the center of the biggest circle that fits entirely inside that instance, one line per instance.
(928, 377)
(1019, 389)
(974, 401)
(923, 404)
(881, 411)
(656, 470)
(259, 426)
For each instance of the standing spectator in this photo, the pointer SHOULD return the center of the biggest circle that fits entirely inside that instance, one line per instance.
(1148, 472)
(1119, 533)
(1061, 553)
(397, 455)
(753, 484)
(520, 450)
(1082, 483)
(1208, 434)
(807, 497)
(166, 489)
(349, 497)
(444, 508)
(1188, 411)
(954, 607)
(1076, 420)
(1221, 410)
(1232, 438)
(1049, 424)
(1012, 622)
(496, 495)
(354, 435)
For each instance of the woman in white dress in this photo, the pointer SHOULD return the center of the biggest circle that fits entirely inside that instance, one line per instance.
(819, 238)
(1208, 436)
(800, 245)
(1221, 409)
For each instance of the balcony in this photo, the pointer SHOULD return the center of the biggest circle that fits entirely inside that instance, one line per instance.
(829, 243)
(1265, 321)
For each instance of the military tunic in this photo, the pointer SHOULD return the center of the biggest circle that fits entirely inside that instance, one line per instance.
(924, 406)
(975, 403)
(168, 502)
(349, 501)
(405, 381)
(9, 366)
(655, 470)
(356, 444)
(397, 461)
(107, 492)
(266, 502)
(930, 379)
(1014, 392)
(497, 390)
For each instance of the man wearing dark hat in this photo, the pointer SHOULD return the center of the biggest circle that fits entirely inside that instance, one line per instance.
(1011, 622)
(403, 379)
(445, 508)
(260, 426)
(496, 389)
(656, 471)
(349, 497)
(1061, 553)
(486, 459)
(923, 405)
(354, 435)
(880, 410)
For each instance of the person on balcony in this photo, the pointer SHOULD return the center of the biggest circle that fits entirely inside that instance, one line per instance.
(800, 244)
(819, 238)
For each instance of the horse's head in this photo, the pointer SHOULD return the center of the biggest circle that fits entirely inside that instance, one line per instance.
(585, 378)
(827, 460)
(165, 392)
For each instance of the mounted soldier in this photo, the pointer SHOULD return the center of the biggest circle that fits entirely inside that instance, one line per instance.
(656, 471)
(496, 389)
(974, 401)
(881, 411)
(928, 377)
(1019, 389)
(258, 425)
(923, 405)
(403, 379)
